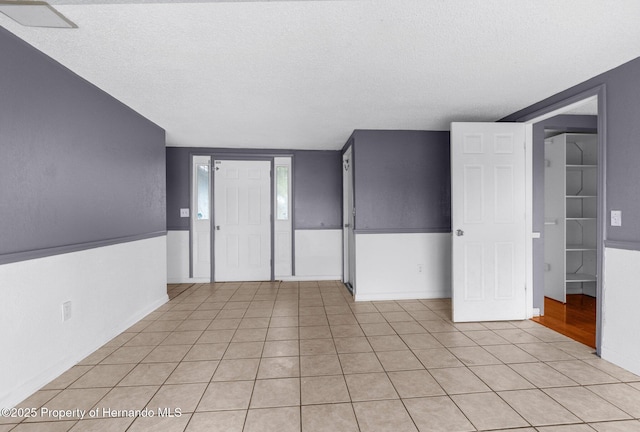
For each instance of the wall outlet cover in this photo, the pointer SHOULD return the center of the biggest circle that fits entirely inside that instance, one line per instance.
(616, 218)
(184, 212)
(66, 311)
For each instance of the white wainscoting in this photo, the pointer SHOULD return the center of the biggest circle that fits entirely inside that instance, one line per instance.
(388, 266)
(178, 258)
(318, 255)
(621, 299)
(110, 289)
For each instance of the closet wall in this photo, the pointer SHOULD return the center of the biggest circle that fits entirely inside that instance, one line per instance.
(402, 221)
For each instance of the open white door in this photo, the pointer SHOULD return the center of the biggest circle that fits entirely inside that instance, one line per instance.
(489, 213)
(242, 218)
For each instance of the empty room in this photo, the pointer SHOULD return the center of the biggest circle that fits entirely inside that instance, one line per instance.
(319, 215)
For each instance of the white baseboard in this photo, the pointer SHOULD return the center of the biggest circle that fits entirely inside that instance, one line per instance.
(182, 280)
(309, 278)
(411, 295)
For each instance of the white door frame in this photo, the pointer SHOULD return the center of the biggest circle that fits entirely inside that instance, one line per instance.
(558, 108)
(348, 270)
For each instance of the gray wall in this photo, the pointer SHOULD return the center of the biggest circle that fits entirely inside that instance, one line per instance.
(78, 169)
(317, 184)
(402, 181)
(622, 86)
(178, 188)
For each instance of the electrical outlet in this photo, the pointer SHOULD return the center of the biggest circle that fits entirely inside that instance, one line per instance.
(66, 311)
(184, 212)
(419, 268)
(616, 218)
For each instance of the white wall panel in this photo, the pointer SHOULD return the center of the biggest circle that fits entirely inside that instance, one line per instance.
(110, 288)
(177, 256)
(318, 254)
(621, 320)
(388, 266)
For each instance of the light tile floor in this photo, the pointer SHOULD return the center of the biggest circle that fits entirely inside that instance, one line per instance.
(303, 356)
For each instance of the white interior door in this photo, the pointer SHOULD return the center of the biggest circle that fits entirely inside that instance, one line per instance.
(348, 220)
(201, 219)
(488, 196)
(242, 207)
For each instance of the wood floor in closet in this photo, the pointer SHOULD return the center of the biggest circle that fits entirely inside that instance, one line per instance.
(575, 319)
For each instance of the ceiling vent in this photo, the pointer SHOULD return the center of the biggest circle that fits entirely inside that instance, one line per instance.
(35, 14)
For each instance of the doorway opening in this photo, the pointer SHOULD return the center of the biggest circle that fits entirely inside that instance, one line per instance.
(569, 215)
(241, 218)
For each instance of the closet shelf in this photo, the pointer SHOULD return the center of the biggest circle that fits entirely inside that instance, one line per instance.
(570, 214)
(579, 248)
(578, 166)
(580, 277)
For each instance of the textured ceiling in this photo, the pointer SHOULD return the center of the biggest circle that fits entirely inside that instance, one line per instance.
(304, 74)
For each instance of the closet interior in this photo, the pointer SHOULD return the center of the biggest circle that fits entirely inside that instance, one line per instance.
(570, 231)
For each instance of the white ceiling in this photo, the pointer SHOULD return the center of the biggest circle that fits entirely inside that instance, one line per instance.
(305, 74)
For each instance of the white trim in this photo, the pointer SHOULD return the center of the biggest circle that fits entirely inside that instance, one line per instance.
(528, 167)
(310, 278)
(178, 280)
(435, 294)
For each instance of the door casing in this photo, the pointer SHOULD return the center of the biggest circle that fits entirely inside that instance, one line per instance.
(561, 107)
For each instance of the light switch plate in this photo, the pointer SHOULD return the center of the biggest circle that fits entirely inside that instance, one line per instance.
(184, 212)
(616, 218)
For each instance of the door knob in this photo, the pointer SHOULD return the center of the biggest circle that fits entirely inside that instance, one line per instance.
(217, 227)
(459, 233)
